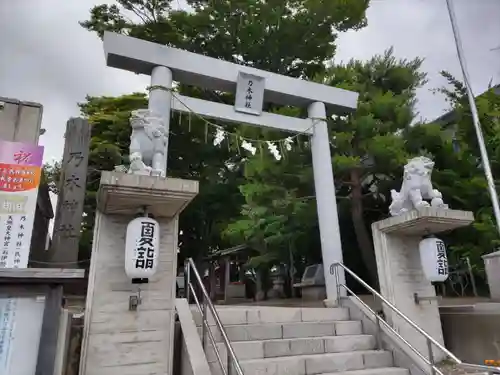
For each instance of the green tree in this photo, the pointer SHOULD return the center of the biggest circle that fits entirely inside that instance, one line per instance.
(368, 152)
(260, 34)
(368, 147)
(50, 176)
(458, 173)
(278, 219)
(252, 33)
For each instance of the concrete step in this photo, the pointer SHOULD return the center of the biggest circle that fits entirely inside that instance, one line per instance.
(318, 363)
(264, 314)
(299, 346)
(270, 331)
(374, 371)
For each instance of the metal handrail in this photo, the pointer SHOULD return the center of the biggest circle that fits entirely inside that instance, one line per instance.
(430, 340)
(202, 307)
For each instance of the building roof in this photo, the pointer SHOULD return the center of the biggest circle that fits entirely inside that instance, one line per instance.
(229, 251)
(450, 116)
(41, 275)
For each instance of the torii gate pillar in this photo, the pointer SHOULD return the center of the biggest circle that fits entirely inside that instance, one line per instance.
(165, 64)
(160, 98)
(326, 202)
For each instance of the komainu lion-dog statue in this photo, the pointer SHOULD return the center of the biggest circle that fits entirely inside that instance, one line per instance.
(148, 144)
(416, 188)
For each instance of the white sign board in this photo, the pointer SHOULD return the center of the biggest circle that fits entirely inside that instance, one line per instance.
(8, 307)
(20, 171)
(20, 329)
(249, 94)
(434, 259)
(141, 248)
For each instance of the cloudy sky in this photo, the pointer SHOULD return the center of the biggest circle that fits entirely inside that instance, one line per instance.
(48, 58)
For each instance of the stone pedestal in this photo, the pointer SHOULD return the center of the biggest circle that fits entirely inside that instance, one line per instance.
(400, 272)
(117, 341)
(235, 291)
(314, 293)
(492, 268)
(278, 289)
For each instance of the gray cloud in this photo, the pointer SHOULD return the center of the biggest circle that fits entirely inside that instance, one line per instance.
(422, 28)
(48, 58)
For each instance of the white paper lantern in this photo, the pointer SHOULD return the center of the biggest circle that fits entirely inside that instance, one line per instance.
(433, 258)
(141, 248)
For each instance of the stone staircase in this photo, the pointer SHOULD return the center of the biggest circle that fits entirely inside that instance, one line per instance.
(297, 341)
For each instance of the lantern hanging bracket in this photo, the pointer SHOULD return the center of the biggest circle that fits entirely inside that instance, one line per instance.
(134, 300)
(142, 211)
(419, 299)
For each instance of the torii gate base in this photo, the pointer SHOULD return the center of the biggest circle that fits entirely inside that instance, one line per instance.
(118, 340)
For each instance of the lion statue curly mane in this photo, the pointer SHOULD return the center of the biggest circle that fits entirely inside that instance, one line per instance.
(148, 144)
(416, 188)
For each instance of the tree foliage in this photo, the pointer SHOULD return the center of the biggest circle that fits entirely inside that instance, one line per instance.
(459, 174)
(50, 176)
(270, 204)
(367, 144)
(367, 154)
(253, 33)
(261, 34)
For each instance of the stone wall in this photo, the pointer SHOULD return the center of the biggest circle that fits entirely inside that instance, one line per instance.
(117, 341)
(492, 268)
(472, 332)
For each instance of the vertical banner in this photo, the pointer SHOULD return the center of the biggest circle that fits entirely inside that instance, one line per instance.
(20, 172)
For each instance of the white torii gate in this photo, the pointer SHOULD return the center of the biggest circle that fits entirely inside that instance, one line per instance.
(166, 64)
